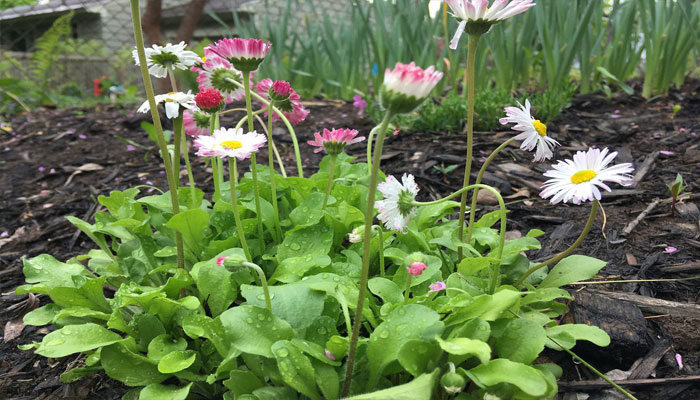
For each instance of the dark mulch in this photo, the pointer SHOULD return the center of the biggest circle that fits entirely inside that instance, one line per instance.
(39, 186)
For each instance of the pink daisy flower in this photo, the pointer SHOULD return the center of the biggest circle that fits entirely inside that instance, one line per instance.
(229, 143)
(196, 123)
(437, 286)
(333, 142)
(416, 268)
(244, 54)
(213, 74)
(407, 86)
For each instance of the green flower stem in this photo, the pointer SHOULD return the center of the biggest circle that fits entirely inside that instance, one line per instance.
(233, 179)
(173, 82)
(346, 311)
(472, 209)
(593, 369)
(245, 117)
(471, 56)
(495, 273)
(253, 164)
(138, 36)
(214, 161)
(177, 142)
(331, 172)
(190, 176)
(273, 184)
(407, 290)
(263, 282)
(270, 139)
(369, 216)
(584, 233)
(369, 149)
(284, 119)
(381, 251)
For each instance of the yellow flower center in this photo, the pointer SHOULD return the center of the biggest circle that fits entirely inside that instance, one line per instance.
(584, 175)
(232, 144)
(168, 99)
(204, 59)
(540, 127)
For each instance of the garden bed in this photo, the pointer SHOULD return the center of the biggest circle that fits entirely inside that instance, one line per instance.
(56, 162)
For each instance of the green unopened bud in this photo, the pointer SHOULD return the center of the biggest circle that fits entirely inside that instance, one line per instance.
(453, 383)
(416, 257)
(234, 261)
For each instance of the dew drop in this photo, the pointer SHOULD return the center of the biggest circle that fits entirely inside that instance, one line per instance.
(55, 342)
(295, 246)
(384, 334)
(67, 331)
(402, 311)
(249, 320)
(282, 353)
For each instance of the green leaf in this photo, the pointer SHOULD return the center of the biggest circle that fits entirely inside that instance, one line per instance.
(294, 303)
(43, 315)
(75, 339)
(295, 368)
(191, 225)
(293, 269)
(463, 346)
(253, 329)
(309, 212)
(488, 219)
(572, 269)
(407, 322)
(156, 391)
(522, 341)
(164, 344)
(427, 215)
(131, 368)
(77, 374)
(568, 334)
(526, 378)
(306, 242)
(242, 382)
(472, 265)
(386, 289)
(417, 356)
(49, 271)
(176, 361)
(515, 246)
(420, 388)
(215, 284)
(90, 231)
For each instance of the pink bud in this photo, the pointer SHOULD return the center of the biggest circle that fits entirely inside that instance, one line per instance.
(220, 261)
(281, 88)
(329, 355)
(416, 268)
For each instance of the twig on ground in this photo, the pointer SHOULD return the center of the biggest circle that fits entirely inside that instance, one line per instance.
(628, 229)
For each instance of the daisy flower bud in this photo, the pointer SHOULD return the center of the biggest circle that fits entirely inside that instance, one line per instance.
(291, 108)
(161, 59)
(416, 268)
(333, 142)
(437, 286)
(229, 143)
(195, 122)
(477, 17)
(244, 54)
(209, 100)
(232, 261)
(578, 180)
(396, 210)
(407, 86)
(534, 132)
(174, 101)
(280, 90)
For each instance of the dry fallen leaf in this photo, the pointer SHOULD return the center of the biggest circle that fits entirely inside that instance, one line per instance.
(13, 329)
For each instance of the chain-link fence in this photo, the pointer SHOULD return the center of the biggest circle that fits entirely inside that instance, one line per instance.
(64, 45)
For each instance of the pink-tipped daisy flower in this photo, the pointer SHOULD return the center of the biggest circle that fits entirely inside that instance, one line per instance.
(293, 110)
(196, 122)
(215, 74)
(477, 17)
(534, 132)
(416, 268)
(174, 102)
(229, 143)
(407, 86)
(396, 210)
(334, 141)
(578, 180)
(244, 54)
(220, 261)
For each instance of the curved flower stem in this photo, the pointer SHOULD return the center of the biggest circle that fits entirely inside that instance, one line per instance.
(230, 110)
(495, 273)
(284, 119)
(584, 233)
(214, 161)
(369, 149)
(331, 172)
(273, 185)
(381, 250)
(369, 216)
(263, 282)
(138, 36)
(472, 209)
(190, 177)
(593, 369)
(471, 56)
(253, 164)
(233, 179)
(177, 145)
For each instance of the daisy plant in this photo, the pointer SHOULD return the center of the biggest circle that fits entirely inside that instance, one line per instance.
(476, 18)
(204, 295)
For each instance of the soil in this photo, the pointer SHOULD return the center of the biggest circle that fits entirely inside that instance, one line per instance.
(56, 162)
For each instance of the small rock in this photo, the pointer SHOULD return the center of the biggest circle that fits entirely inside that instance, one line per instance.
(691, 155)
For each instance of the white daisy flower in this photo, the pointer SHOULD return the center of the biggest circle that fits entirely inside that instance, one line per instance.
(534, 132)
(396, 209)
(160, 59)
(576, 181)
(229, 143)
(479, 12)
(173, 101)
